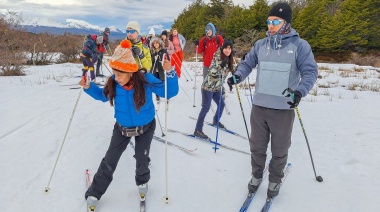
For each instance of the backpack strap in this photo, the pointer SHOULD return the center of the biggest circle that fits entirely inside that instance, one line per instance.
(205, 39)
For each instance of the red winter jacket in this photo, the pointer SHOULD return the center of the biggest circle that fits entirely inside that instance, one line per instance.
(101, 47)
(210, 49)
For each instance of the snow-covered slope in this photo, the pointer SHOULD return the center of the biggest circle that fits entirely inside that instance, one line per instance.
(342, 127)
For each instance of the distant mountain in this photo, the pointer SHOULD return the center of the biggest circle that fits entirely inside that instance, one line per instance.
(38, 25)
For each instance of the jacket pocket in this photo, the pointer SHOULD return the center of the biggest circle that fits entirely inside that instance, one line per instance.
(273, 78)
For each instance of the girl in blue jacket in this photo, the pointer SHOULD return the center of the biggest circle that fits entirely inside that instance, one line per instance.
(129, 90)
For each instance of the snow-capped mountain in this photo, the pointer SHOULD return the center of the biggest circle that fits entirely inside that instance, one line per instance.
(38, 25)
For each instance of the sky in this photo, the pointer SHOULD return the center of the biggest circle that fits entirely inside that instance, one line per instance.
(38, 118)
(150, 13)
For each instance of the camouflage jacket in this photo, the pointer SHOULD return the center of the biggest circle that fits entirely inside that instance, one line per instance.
(216, 74)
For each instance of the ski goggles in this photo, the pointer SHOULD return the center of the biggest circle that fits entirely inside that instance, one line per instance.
(275, 22)
(130, 31)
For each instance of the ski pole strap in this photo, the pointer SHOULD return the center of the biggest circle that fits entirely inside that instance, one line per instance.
(290, 93)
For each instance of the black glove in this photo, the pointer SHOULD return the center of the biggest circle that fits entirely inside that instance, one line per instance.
(243, 58)
(137, 52)
(231, 81)
(296, 97)
(196, 42)
(224, 63)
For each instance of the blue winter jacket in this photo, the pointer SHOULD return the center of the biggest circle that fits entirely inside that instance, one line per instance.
(282, 61)
(125, 111)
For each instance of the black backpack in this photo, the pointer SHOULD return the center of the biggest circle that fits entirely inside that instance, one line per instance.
(89, 47)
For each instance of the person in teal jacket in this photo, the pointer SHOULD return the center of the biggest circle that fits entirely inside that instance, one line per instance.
(129, 90)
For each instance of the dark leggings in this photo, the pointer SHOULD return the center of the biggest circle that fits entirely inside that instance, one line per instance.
(104, 175)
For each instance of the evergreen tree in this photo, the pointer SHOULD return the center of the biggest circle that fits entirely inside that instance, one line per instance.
(191, 20)
(260, 10)
(238, 20)
(309, 21)
(374, 17)
(348, 29)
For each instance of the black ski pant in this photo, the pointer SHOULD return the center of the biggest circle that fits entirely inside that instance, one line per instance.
(104, 175)
(276, 126)
(99, 63)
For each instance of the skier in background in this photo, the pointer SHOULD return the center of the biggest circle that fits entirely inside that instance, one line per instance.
(208, 45)
(101, 48)
(212, 85)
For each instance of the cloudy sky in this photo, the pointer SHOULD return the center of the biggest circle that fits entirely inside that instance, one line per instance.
(150, 13)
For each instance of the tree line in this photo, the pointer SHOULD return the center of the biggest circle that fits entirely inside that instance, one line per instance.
(333, 26)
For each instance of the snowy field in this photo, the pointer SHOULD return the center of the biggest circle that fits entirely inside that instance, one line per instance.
(339, 116)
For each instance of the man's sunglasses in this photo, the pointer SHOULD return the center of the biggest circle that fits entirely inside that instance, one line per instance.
(275, 22)
(130, 31)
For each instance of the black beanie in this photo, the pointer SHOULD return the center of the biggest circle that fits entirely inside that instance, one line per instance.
(282, 10)
(227, 43)
(164, 33)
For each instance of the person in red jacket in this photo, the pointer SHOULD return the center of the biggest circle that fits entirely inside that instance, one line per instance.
(208, 46)
(101, 49)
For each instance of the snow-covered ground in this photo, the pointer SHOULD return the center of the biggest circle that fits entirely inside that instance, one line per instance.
(341, 122)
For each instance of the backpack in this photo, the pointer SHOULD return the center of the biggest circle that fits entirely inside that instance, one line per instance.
(89, 47)
(216, 40)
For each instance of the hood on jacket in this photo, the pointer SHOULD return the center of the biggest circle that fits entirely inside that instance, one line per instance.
(212, 29)
(162, 45)
(278, 41)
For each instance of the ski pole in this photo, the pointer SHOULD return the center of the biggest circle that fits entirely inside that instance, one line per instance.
(318, 178)
(250, 93)
(185, 92)
(195, 74)
(107, 69)
(183, 68)
(183, 72)
(47, 188)
(219, 111)
(241, 106)
(291, 94)
(159, 122)
(166, 197)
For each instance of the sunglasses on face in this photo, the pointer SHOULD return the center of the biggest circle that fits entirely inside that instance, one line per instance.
(275, 22)
(130, 31)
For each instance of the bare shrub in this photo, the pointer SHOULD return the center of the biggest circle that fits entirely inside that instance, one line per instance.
(69, 46)
(351, 86)
(364, 60)
(324, 86)
(244, 43)
(359, 69)
(12, 70)
(345, 73)
(314, 91)
(325, 92)
(11, 57)
(323, 68)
